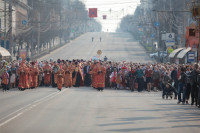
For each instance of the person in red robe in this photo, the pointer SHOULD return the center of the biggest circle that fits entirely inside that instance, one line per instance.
(60, 78)
(100, 73)
(34, 75)
(68, 75)
(92, 72)
(47, 74)
(28, 75)
(22, 72)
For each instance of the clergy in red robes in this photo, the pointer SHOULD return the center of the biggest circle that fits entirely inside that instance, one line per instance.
(100, 73)
(23, 79)
(47, 74)
(34, 75)
(68, 75)
(93, 73)
(60, 78)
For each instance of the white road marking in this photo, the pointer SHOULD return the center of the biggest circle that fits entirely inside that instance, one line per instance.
(28, 107)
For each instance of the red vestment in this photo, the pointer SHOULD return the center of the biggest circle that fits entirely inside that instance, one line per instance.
(47, 74)
(23, 77)
(60, 78)
(68, 76)
(100, 73)
(34, 75)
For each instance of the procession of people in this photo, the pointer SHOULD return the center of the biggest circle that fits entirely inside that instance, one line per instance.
(180, 81)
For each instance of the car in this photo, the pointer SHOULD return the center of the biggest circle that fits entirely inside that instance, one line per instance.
(162, 54)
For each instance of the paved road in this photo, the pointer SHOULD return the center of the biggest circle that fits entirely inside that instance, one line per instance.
(84, 110)
(116, 46)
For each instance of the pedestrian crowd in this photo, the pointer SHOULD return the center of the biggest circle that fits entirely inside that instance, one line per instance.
(180, 81)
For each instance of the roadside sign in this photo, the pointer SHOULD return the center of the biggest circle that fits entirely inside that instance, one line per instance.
(156, 24)
(24, 22)
(170, 39)
(152, 35)
(170, 36)
(191, 56)
(163, 37)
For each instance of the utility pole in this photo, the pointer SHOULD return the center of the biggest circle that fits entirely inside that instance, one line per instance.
(32, 16)
(183, 44)
(38, 41)
(60, 24)
(5, 17)
(10, 28)
(158, 36)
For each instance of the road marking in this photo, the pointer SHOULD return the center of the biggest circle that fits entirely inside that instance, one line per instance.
(29, 107)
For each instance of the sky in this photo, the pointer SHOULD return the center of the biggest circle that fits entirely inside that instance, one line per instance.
(113, 9)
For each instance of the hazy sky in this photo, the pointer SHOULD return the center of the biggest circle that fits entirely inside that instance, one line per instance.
(119, 8)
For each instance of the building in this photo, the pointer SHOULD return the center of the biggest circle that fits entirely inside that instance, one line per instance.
(3, 26)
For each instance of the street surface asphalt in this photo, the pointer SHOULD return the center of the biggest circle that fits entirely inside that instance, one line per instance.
(116, 46)
(85, 110)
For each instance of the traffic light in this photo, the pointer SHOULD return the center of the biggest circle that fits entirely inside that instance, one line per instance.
(191, 32)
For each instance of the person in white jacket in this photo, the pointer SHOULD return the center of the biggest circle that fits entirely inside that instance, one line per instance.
(113, 78)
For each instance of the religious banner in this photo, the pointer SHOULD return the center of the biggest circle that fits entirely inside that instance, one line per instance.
(104, 16)
(23, 54)
(92, 12)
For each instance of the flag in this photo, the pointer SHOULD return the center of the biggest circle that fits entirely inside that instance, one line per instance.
(92, 12)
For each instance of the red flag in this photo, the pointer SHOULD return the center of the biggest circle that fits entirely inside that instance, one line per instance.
(92, 12)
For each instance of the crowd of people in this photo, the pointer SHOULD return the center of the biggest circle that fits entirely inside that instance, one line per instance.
(180, 81)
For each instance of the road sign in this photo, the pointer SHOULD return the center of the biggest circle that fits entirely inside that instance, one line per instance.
(170, 36)
(191, 56)
(152, 35)
(156, 24)
(24, 22)
(163, 37)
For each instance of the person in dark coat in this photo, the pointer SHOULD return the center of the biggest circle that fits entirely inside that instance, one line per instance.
(182, 86)
(194, 89)
(86, 69)
(174, 77)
